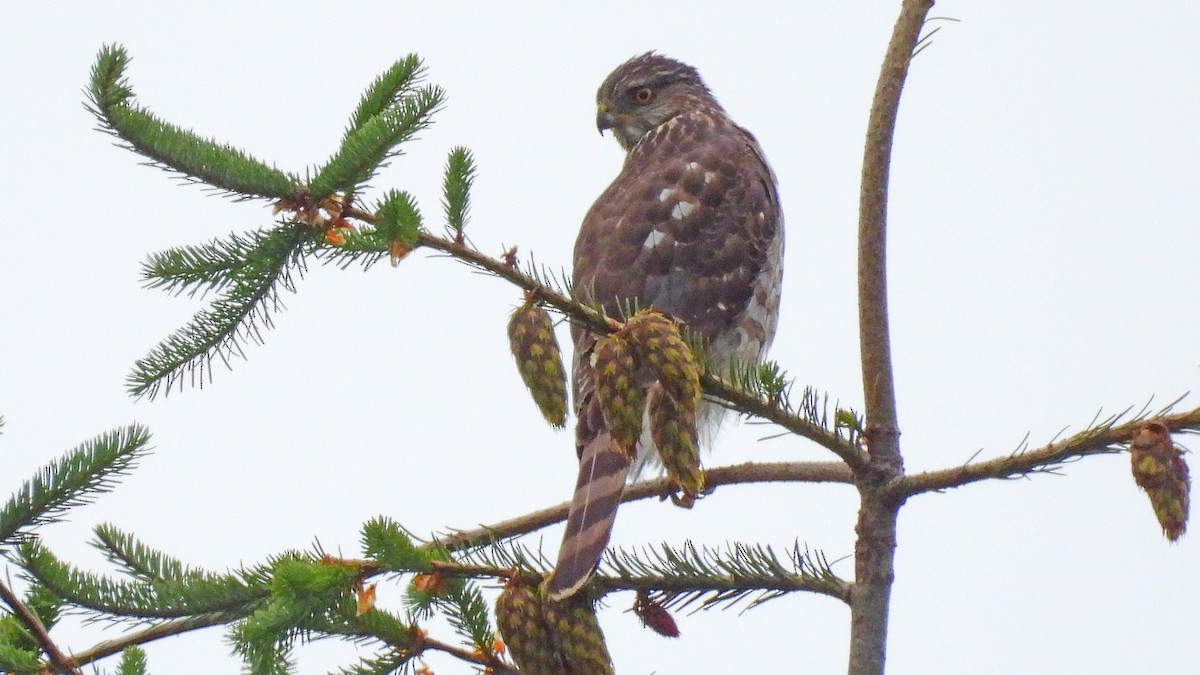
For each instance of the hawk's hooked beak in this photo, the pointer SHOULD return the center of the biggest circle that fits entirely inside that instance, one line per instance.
(604, 118)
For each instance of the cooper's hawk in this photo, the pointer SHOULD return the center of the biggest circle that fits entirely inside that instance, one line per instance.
(692, 227)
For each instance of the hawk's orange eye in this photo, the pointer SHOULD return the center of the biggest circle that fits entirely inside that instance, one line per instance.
(644, 95)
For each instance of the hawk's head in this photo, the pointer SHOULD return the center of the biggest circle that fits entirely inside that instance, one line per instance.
(646, 91)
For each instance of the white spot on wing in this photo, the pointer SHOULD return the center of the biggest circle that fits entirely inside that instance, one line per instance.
(692, 166)
(666, 194)
(681, 210)
(709, 176)
(653, 238)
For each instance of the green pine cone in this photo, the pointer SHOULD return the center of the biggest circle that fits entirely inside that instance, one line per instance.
(673, 428)
(622, 400)
(531, 338)
(525, 627)
(1160, 470)
(662, 349)
(580, 640)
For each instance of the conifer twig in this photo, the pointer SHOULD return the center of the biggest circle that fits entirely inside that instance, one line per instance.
(750, 472)
(496, 665)
(1095, 441)
(59, 661)
(151, 633)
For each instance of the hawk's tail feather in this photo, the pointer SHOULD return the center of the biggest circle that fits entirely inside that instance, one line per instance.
(603, 468)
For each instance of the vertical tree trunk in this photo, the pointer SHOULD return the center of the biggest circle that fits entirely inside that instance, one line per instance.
(875, 549)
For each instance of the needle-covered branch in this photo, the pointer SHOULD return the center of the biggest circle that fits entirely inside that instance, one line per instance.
(1104, 438)
(110, 99)
(74, 479)
(676, 577)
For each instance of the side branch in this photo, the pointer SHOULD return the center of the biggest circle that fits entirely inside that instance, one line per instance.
(594, 320)
(750, 472)
(755, 406)
(155, 632)
(58, 661)
(1096, 441)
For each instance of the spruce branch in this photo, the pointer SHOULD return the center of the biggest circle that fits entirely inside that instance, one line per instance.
(680, 577)
(675, 577)
(387, 90)
(244, 308)
(456, 190)
(58, 660)
(141, 561)
(1103, 438)
(469, 615)
(72, 480)
(750, 472)
(219, 263)
(20, 661)
(368, 147)
(151, 633)
(197, 159)
(133, 661)
(105, 598)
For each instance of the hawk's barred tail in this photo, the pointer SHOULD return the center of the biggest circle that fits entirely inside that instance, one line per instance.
(602, 471)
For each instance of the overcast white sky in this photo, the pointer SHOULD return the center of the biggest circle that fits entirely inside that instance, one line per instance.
(1043, 258)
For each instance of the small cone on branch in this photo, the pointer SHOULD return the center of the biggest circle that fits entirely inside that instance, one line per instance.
(539, 360)
(674, 399)
(1160, 470)
(580, 641)
(547, 637)
(526, 631)
(673, 428)
(664, 352)
(654, 616)
(622, 398)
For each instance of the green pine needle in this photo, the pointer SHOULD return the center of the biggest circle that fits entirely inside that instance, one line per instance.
(74, 479)
(386, 543)
(469, 615)
(365, 246)
(141, 561)
(110, 99)
(109, 598)
(397, 218)
(456, 189)
(384, 663)
(368, 147)
(133, 661)
(215, 265)
(387, 90)
(248, 298)
(17, 660)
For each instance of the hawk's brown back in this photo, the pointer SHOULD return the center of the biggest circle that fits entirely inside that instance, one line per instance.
(691, 226)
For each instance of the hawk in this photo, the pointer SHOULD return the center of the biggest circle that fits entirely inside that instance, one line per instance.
(692, 227)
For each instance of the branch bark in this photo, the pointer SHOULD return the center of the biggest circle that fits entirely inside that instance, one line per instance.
(750, 472)
(155, 632)
(58, 661)
(875, 547)
(1107, 438)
